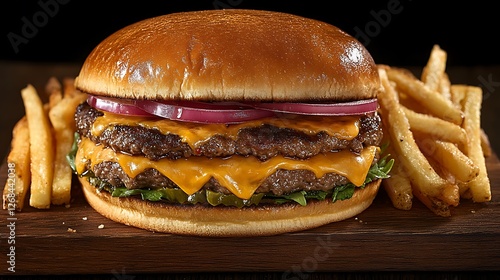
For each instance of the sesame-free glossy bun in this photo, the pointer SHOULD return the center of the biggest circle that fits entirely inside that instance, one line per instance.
(232, 54)
(201, 220)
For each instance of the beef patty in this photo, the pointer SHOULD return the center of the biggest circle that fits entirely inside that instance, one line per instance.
(263, 142)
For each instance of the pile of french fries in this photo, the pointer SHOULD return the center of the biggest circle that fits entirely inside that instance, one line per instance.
(434, 133)
(40, 142)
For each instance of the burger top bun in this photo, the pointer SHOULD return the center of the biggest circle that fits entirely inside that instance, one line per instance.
(217, 55)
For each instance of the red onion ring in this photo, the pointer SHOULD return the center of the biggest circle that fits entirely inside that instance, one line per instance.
(202, 112)
(115, 105)
(319, 109)
(226, 112)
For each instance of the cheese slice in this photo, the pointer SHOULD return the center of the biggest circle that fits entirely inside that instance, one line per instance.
(342, 127)
(240, 175)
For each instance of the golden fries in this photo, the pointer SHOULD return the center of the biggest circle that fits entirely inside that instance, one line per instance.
(19, 175)
(435, 205)
(445, 86)
(449, 157)
(480, 186)
(40, 142)
(457, 95)
(41, 149)
(69, 88)
(429, 183)
(435, 103)
(62, 118)
(485, 144)
(435, 137)
(53, 89)
(436, 128)
(398, 185)
(433, 72)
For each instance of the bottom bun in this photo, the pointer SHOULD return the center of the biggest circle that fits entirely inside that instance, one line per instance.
(199, 220)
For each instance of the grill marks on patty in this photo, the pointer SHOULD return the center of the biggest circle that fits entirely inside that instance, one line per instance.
(263, 142)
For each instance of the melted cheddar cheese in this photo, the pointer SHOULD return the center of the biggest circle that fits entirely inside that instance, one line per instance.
(241, 175)
(345, 127)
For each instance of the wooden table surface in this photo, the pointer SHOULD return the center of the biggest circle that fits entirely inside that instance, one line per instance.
(382, 241)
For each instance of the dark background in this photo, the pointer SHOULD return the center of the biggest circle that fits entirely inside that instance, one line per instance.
(397, 32)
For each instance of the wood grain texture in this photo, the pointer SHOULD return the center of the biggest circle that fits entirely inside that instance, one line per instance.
(380, 239)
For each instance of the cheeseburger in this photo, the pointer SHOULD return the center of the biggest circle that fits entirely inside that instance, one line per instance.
(229, 123)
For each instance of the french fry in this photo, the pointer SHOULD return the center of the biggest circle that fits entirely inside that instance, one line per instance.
(457, 95)
(480, 186)
(69, 87)
(436, 124)
(41, 149)
(451, 193)
(435, 205)
(437, 128)
(485, 144)
(448, 156)
(398, 188)
(464, 191)
(436, 103)
(61, 117)
(398, 185)
(435, 69)
(19, 179)
(425, 181)
(445, 86)
(53, 90)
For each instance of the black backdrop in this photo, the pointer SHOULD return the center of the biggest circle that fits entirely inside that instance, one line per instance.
(396, 32)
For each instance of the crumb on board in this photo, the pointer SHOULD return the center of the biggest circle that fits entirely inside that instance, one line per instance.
(360, 221)
(100, 226)
(71, 230)
(84, 218)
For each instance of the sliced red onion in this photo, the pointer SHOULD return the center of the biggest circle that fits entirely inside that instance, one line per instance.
(115, 105)
(203, 112)
(319, 109)
(226, 112)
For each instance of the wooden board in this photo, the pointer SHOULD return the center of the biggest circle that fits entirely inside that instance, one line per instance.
(380, 239)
